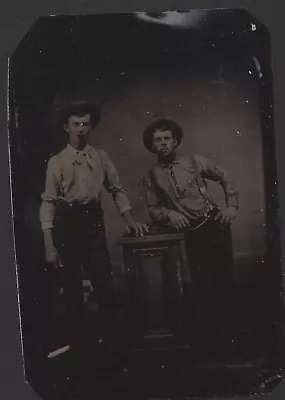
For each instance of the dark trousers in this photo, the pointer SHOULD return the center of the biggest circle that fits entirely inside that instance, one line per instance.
(80, 239)
(210, 257)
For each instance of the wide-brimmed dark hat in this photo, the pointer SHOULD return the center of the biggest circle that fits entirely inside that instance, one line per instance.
(161, 124)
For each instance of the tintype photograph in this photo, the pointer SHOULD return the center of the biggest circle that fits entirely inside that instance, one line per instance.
(145, 205)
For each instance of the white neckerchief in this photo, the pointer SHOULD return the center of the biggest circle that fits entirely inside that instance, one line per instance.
(78, 155)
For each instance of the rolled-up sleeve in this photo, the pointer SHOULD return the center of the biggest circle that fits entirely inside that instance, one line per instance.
(213, 172)
(157, 211)
(113, 185)
(50, 195)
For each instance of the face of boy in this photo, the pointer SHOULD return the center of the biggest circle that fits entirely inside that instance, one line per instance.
(78, 129)
(163, 143)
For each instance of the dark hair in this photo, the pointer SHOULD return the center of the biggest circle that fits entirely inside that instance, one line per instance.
(162, 124)
(79, 109)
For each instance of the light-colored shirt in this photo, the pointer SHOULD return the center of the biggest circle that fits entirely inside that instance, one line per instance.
(181, 185)
(79, 176)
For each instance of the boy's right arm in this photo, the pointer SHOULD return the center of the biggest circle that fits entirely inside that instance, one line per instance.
(158, 212)
(47, 211)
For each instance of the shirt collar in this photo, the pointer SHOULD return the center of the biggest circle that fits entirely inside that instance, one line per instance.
(168, 164)
(74, 153)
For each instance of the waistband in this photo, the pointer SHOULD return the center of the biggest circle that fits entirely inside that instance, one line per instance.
(93, 205)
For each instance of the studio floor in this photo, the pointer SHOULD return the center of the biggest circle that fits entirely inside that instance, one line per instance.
(171, 371)
(192, 368)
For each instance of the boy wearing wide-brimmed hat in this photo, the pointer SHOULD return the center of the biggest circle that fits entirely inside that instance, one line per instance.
(177, 197)
(72, 217)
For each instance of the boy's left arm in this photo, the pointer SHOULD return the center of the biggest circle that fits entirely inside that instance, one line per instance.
(213, 172)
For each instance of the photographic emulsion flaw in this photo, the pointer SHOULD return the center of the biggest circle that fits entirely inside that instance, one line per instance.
(145, 205)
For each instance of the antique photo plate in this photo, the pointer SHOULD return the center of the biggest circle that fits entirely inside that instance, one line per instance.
(206, 73)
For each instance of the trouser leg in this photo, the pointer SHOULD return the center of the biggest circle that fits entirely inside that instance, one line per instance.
(97, 265)
(73, 291)
(209, 253)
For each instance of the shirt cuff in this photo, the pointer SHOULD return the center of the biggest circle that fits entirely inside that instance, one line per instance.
(123, 209)
(232, 202)
(160, 215)
(47, 225)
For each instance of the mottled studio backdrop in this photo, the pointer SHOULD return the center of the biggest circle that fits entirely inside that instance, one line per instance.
(205, 75)
(220, 121)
